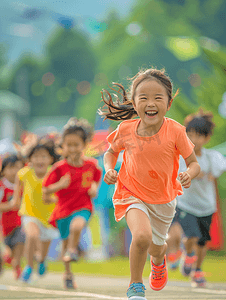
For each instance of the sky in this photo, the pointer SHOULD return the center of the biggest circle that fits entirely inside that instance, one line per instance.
(26, 24)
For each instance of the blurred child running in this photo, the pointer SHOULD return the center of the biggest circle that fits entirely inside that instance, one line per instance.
(35, 213)
(147, 185)
(75, 181)
(197, 205)
(13, 234)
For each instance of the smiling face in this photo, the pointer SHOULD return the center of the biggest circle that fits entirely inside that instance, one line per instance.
(151, 103)
(11, 170)
(40, 160)
(73, 146)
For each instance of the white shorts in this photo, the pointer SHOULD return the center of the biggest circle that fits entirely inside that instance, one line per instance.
(160, 216)
(46, 234)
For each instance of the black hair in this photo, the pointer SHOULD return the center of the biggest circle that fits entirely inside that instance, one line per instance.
(200, 122)
(80, 127)
(48, 146)
(123, 109)
(10, 160)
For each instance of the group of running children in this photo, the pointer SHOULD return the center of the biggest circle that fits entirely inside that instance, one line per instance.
(166, 177)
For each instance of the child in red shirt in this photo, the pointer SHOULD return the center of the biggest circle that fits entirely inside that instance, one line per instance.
(74, 181)
(14, 237)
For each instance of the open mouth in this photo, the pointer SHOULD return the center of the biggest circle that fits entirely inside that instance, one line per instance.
(151, 113)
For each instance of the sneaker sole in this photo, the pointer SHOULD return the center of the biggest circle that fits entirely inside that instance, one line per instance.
(198, 285)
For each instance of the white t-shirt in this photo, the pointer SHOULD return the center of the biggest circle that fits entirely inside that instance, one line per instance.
(200, 198)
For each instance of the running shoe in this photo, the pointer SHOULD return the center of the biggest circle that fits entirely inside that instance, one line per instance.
(41, 268)
(69, 282)
(70, 256)
(26, 274)
(174, 259)
(136, 291)
(187, 263)
(198, 279)
(17, 272)
(159, 276)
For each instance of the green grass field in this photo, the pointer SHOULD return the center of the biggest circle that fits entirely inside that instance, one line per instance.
(214, 267)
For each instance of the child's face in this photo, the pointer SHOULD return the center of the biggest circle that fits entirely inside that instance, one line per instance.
(11, 170)
(73, 146)
(151, 102)
(40, 160)
(199, 140)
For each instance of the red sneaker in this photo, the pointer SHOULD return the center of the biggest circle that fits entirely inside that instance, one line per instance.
(159, 276)
(173, 257)
(198, 279)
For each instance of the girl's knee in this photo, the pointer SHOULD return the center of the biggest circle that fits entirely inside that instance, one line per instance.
(77, 225)
(142, 239)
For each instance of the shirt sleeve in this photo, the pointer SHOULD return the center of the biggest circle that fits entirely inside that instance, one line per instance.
(51, 177)
(184, 144)
(97, 173)
(217, 163)
(116, 141)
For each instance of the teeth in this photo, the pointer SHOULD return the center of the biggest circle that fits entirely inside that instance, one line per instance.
(151, 113)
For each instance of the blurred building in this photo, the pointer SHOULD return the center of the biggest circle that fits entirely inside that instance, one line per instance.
(13, 110)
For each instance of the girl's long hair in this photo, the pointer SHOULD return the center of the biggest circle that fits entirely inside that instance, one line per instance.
(123, 106)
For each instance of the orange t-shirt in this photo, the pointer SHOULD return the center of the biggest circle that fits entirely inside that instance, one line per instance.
(150, 164)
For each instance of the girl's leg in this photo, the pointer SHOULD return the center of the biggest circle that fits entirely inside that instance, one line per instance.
(157, 252)
(44, 249)
(189, 244)
(175, 237)
(201, 253)
(32, 236)
(17, 254)
(140, 227)
(76, 226)
(64, 249)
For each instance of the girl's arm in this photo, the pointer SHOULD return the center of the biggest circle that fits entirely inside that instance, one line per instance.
(63, 183)
(110, 160)
(193, 169)
(16, 201)
(5, 206)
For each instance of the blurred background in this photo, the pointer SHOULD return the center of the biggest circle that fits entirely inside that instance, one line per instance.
(56, 56)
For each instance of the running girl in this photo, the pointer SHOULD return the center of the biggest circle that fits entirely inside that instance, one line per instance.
(74, 180)
(14, 236)
(196, 206)
(35, 213)
(147, 185)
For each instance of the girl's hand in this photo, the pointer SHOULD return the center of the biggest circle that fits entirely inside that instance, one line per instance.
(93, 190)
(64, 181)
(111, 177)
(185, 179)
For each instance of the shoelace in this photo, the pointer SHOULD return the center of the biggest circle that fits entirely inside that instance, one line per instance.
(137, 287)
(158, 273)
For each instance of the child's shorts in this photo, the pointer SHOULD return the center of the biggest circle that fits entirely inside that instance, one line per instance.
(46, 233)
(15, 237)
(64, 224)
(194, 226)
(160, 216)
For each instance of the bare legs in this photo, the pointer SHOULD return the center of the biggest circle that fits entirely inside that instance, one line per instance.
(140, 227)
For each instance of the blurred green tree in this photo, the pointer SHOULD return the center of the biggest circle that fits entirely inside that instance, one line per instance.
(56, 84)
